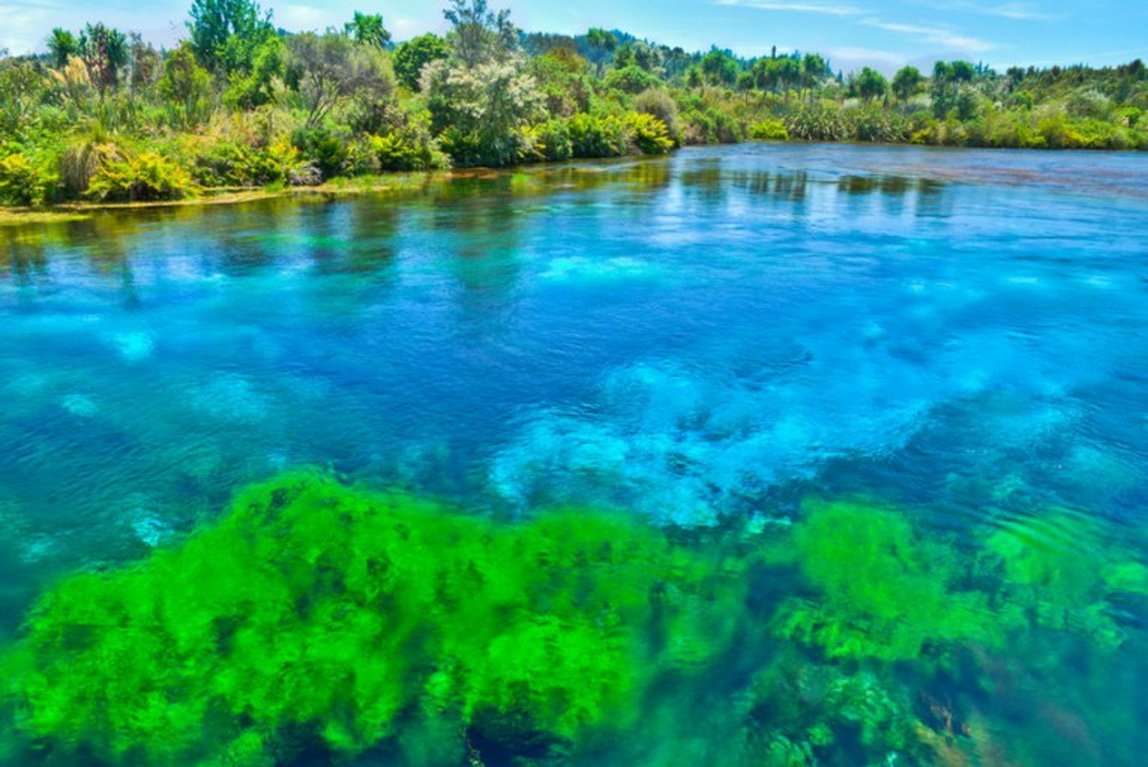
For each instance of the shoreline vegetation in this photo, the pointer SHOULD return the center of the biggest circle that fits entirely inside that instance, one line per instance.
(104, 118)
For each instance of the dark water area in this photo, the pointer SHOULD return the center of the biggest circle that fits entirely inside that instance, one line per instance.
(771, 342)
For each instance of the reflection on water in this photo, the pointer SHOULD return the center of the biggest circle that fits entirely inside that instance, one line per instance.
(711, 343)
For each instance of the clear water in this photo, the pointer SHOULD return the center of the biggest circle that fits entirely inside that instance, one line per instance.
(702, 339)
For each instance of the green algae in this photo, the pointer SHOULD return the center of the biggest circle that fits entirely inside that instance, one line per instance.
(319, 616)
(315, 622)
(878, 589)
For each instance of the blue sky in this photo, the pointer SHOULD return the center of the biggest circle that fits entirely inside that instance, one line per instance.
(884, 33)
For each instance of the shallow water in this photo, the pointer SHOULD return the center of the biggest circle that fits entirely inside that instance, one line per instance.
(702, 341)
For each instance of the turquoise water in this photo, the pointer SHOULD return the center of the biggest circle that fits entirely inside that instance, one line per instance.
(702, 341)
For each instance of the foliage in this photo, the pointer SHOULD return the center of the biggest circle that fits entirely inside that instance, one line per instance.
(631, 79)
(596, 136)
(480, 110)
(23, 181)
(367, 29)
(185, 88)
(769, 130)
(140, 178)
(227, 35)
(315, 616)
(329, 70)
(649, 134)
(416, 53)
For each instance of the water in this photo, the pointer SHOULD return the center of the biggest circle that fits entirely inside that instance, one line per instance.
(703, 341)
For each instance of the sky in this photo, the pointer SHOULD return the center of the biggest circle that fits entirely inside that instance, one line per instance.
(885, 34)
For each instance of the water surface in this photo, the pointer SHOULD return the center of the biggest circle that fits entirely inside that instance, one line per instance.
(702, 341)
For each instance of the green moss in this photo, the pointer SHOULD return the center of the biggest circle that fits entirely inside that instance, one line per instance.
(320, 616)
(878, 590)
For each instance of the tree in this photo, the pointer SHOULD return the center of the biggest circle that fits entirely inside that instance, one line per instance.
(480, 34)
(106, 53)
(410, 58)
(227, 35)
(61, 45)
(368, 29)
(813, 71)
(719, 67)
(906, 82)
(185, 87)
(331, 69)
(483, 94)
(602, 43)
(146, 63)
(871, 84)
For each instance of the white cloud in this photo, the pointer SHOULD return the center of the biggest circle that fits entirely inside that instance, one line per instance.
(299, 18)
(1018, 11)
(936, 35)
(795, 7)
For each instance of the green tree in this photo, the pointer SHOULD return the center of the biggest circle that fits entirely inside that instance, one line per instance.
(906, 82)
(146, 63)
(719, 67)
(478, 33)
(871, 84)
(185, 87)
(368, 29)
(814, 68)
(106, 54)
(602, 43)
(227, 35)
(331, 69)
(61, 45)
(410, 58)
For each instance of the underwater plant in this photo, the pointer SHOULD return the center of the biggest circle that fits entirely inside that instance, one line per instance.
(1061, 572)
(877, 589)
(315, 616)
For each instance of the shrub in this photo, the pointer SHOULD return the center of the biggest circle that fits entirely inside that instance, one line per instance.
(145, 177)
(592, 136)
(768, 130)
(648, 134)
(325, 149)
(711, 126)
(23, 181)
(817, 123)
(631, 79)
(659, 103)
(230, 163)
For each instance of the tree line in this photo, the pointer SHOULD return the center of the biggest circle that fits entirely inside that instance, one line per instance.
(103, 115)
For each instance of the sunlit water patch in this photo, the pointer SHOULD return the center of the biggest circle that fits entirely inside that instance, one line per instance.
(924, 368)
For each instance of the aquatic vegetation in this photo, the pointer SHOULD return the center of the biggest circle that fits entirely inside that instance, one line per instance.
(1059, 569)
(879, 590)
(822, 714)
(317, 615)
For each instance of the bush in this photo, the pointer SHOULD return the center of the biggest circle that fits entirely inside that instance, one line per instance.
(407, 149)
(660, 104)
(230, 163)
(648, 134)
(145, 177)
(631, 79)
(23, 181)
(548, 142)
(592, 136)
(817, 123)
(711, 126)
(326, 150)
(768, 130)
